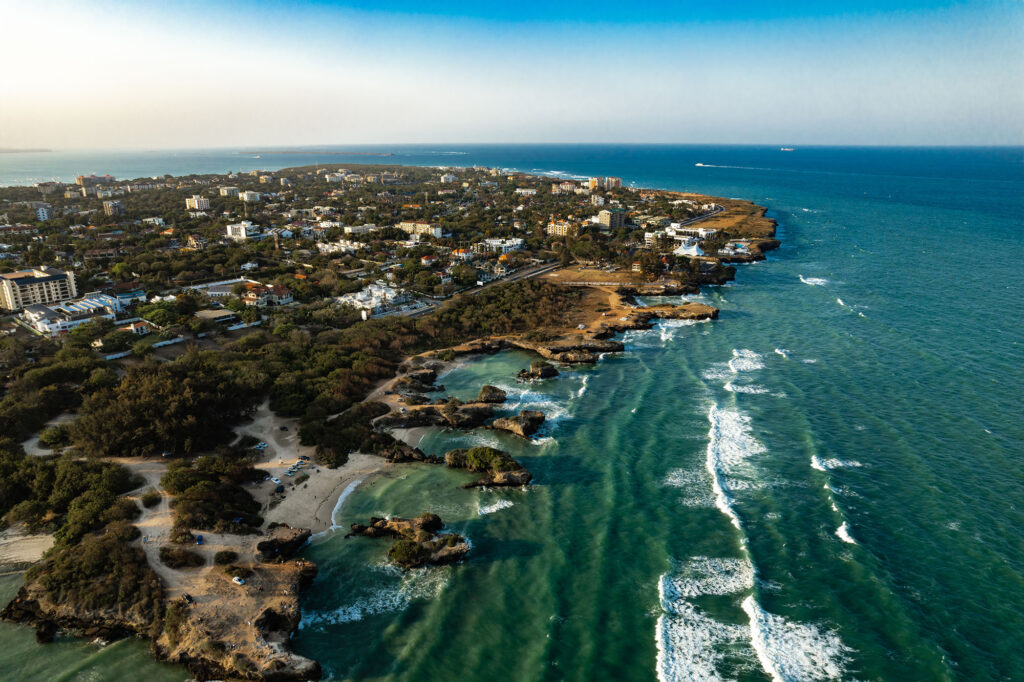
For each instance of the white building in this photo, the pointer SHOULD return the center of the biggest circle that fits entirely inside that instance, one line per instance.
(449, 177)
(63, 317)
(374, 298)
(229, 191)
(361, 229)
(242, 231)
(420, 228)
(197, 203)
(526, 191)
(340, 246)
(250, 196)
(499, 245)
(334, 177)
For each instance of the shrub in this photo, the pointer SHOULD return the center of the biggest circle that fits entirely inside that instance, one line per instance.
(179, 557)
(236, 571)
(224, 557)
(150, 498)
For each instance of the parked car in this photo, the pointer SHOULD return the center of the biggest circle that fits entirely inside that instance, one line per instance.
(238, 581)
(199, 539)
(276, 480)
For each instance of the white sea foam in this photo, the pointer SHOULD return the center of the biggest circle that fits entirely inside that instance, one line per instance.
(814, 281)
(483, 509)
(583, 386)
(752, 388)
(782, 351)
(840, 302)
(843, 532)
(706, 575)
(424, 583)
(794, 651)
(744, 360)
(690, 644)
(717, 371)
(730, 444)
(816, 463)
(809, 361)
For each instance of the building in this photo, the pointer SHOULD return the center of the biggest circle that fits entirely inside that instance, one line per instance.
(361, 229)
(229, 191)
(285, 182)
(334, 177)
(195, 242)
(197, 203)
(242, 231)
(612, 183)
(60, 318)
(562, 228)
(681, 230)
(266, 179)
(261, 296)
(44, 212)
(37, 286)
(221, 316)
(249, 196)
(597, 200)
(594, 184)
(420, 228)
(113, 208)
(499, 245)
(340, 246)
(84, 180)
(526, 191)
(449, 177)
(462, 254)
(612, 219)
(374, 298)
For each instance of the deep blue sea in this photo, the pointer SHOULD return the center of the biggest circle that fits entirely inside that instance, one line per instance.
(825, 483)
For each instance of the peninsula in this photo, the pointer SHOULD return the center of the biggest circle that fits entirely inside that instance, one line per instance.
(198, 370)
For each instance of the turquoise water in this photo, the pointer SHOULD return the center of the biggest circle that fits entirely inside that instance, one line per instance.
(824, 483)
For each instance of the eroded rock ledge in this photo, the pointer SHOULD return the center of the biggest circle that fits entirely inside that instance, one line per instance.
(525, 424)
(500, 469)
(420, 541)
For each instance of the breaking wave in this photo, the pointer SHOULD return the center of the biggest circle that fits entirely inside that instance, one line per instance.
(814, 281)
(424, 583)
(484, 509)
(744, 360)
(794, 651)
(843, 533)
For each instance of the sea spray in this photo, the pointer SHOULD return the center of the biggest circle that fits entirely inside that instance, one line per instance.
(794, 651)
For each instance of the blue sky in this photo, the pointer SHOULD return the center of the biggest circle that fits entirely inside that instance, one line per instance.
(197, 73)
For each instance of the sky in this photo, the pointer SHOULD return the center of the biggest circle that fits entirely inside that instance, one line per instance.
(110, 74)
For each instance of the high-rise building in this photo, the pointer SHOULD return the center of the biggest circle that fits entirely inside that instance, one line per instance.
(613, 218)
(229, 191)
(612, 183)
(594, 184)
(113, 207)
(249, 196)
(44, 212)
(39, 285)
(197, 203)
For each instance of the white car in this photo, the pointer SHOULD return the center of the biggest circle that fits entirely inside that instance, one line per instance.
(238, 581)
(276, 480)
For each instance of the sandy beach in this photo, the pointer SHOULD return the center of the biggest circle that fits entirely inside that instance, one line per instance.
(19, 547)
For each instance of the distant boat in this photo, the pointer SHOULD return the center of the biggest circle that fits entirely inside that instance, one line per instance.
(256, 157)
(786, 149)
(699, 165)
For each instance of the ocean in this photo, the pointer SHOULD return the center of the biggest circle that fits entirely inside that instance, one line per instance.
(825, 483)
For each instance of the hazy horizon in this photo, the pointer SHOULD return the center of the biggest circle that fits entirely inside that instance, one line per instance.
(199, 75)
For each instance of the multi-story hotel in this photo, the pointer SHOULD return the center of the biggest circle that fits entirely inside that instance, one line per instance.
(39, 285)
(197, 203)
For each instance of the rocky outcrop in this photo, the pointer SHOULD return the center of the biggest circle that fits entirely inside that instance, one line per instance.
(539, 369)
(241, 632)
(282, 543)
(449, 413)
(645, 318)
(419, 540)
(525, 424)
(573, 349)
(500, 469)
(491, 394)
(416, 381)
